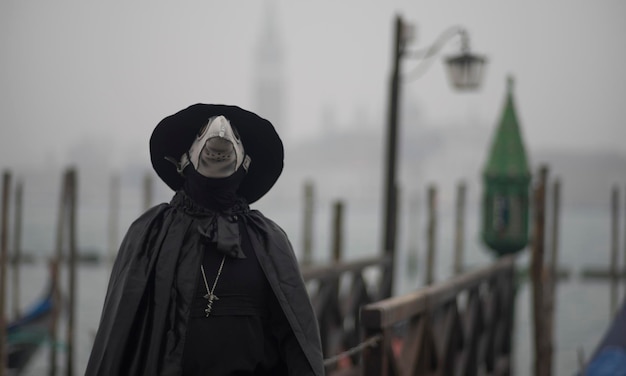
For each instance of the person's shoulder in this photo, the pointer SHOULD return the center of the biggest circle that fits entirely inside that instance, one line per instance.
(265, 223)
(149, 215)
(272, 234)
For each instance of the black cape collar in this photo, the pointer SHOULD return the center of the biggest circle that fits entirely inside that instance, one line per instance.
(220, 228)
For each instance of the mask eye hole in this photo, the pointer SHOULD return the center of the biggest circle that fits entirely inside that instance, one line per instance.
(235, 132)
(202, 130)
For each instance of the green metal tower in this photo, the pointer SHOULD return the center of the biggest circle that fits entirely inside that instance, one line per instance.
(506, 179)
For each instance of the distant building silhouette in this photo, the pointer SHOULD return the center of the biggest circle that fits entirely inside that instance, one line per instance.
(269, 86)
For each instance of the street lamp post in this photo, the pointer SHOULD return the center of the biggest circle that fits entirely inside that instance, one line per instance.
(391, 157)
(465, 71)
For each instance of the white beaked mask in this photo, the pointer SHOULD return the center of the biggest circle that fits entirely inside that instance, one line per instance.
(217, 151)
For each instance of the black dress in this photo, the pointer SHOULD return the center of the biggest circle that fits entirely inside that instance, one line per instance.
(236, 338)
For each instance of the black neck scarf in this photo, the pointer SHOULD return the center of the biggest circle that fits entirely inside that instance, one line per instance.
(217, 194)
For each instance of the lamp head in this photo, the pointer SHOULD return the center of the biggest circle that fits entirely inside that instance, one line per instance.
(465, 70)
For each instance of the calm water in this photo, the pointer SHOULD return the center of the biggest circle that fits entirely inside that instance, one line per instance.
(582, 310)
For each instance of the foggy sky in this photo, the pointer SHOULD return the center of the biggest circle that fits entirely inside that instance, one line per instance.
(76, 74)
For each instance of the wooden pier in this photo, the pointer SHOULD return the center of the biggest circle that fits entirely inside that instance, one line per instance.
(460, 326)
(456, 327)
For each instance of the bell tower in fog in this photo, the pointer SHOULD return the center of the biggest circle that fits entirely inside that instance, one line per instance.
(269, 85)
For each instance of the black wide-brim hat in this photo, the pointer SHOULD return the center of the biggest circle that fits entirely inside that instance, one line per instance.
(174, 135)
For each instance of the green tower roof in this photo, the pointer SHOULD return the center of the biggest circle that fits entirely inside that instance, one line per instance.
(507, 157)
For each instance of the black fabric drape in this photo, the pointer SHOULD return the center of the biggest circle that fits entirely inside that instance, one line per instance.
(143, 325)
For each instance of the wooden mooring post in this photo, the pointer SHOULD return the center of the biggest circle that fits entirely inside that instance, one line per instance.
(614, 249)
(431, 233)
(624, 240)
(337, 240)
(113, 222)
(413, 236)
(551, 276)
(459, 228)
(147, 190)
(611, 273)
(57, 259)
(430, 332)
(542, 283)
(536, 267)
(554, 233)
(331, 320)
(4, 235)
(17, 248)
(307, 223)
(66, 233)
(338, 290)
(72, 258)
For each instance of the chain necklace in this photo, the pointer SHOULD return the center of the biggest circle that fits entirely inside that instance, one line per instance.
(210, 296)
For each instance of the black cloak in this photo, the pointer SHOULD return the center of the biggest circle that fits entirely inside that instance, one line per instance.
(144, 319)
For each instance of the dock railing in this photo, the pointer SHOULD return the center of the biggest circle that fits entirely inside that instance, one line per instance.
(462, 326)
(337, 292)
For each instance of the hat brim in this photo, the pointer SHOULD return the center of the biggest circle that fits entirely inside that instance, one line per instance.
(173, 136)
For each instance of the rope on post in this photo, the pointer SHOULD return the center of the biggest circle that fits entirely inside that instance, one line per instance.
(371, 342)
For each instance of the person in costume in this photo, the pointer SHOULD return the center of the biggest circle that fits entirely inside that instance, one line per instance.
(204, 285)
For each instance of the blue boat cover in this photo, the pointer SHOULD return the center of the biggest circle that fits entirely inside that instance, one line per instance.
(37, 310)
(610, 355)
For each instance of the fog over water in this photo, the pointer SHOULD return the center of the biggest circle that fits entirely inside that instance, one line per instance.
(77, 74)
(85, 84)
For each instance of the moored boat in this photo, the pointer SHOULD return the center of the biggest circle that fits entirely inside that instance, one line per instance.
(26, 334)
(609, 357)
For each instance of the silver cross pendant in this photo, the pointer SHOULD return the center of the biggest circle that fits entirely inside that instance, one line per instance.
(211, 298)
